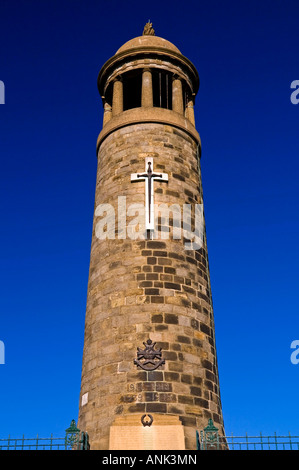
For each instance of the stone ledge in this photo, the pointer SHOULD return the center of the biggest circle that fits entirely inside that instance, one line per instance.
(148, 115)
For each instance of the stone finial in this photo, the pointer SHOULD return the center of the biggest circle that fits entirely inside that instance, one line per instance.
(148, 29)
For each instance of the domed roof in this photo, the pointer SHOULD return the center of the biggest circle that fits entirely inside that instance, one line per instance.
(148, 41)
(149, 47)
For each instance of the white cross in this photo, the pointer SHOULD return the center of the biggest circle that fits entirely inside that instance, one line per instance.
(149, 176)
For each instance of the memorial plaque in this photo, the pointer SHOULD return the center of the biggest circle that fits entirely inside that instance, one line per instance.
(164, 433)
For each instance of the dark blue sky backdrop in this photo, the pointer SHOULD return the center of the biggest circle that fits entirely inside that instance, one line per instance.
(246, 53)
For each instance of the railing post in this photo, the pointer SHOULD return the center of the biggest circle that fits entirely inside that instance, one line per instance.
(262, 447)
(210, 437)
(197, 441)
(275, 440)
(72, 436)
(76, 439)
(291, 448)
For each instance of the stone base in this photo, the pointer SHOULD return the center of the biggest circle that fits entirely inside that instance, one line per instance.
(165, 433)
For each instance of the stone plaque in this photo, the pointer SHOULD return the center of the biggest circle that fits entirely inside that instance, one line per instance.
(164, 433)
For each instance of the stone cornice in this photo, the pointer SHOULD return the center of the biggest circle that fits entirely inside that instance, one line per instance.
(148, 52)
(147, 115)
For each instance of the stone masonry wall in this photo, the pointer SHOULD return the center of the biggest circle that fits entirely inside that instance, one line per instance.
(140, 289)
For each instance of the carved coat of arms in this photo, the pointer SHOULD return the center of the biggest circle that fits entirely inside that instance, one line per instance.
(149, 358)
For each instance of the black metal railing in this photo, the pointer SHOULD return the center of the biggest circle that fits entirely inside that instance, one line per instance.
(209, 439)
(74, 439)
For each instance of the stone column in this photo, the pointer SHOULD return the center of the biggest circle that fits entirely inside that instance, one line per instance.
(177, 95)
(147, 89)
(189, 113)
(117, 101)
(107, 113)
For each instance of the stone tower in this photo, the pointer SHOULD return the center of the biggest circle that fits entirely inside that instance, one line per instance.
(148, 290)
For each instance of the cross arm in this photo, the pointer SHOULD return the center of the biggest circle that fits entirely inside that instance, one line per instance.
(137, 177)
(160, 176)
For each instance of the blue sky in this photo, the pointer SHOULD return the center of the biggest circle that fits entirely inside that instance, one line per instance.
(246, 55)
